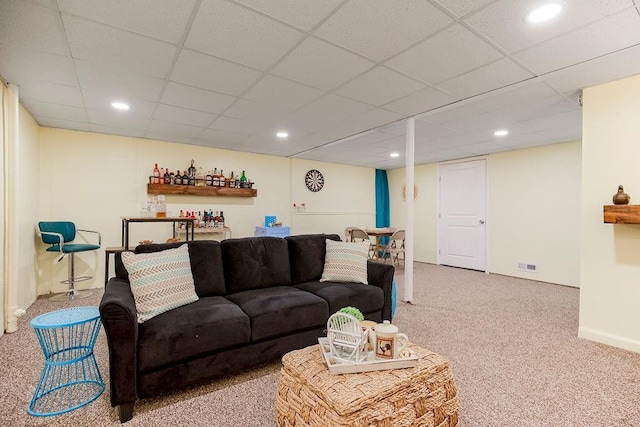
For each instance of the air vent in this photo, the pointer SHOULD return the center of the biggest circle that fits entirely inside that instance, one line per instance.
(524, 266)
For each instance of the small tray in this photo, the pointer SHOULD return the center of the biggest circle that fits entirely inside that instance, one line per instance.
(337, 366)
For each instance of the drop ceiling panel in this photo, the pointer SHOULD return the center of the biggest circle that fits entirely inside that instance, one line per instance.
(198, 99)
(24, 67)
(450, 116)
(126, 86)
(172, 131)
(504, 21)
(207, 72)
(57, 111)
(364, 26)
(18, 26)
(329, 109)
(570, 118)
(314, 63)
(490, 77)
(115, 119)
(520, 95)
(117, 130)
(171, 114)
(615, 32)
(108, 46)
(430, 132)
(448, 54)
(254, 112)
(64, 124)
(281, 93)
(606, 68)
(304, 14)
(217, 138)
(232, 32)
(239, 126)
(461, 7)
(379, 86)
(538, 108)
(52, 92)
(98, 100)
(420, 101)
(165, 21)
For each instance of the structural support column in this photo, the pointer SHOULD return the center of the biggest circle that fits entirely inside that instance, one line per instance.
(409, 220)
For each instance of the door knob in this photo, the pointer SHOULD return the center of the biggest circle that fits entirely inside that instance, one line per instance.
(481, 221)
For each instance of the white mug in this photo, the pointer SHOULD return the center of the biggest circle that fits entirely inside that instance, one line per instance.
(389, 342)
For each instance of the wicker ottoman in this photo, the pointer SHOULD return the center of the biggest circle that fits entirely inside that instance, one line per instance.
(308, 395)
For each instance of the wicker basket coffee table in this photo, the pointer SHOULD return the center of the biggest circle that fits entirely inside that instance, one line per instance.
(309, 395)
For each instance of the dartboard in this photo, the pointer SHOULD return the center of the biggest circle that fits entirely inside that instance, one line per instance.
(314, 180)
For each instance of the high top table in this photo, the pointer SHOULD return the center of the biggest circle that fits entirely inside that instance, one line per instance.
(70, 377)
(126, 220)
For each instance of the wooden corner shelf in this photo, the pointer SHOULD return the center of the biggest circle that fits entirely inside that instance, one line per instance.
(622, 214)
(201, 191)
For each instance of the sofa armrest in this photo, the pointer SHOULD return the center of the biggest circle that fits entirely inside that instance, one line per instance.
(118, 313)
(381, 275)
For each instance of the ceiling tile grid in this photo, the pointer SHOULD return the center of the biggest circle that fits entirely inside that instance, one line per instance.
(339, 75)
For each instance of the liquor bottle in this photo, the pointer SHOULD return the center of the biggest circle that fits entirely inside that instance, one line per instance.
(200, 182)
(221, 221)
(231, 181)
(181, 214)
(156, 174)
(167, 176)
(178, 178)
(217, 219)
(192, 170)
(209, 179)
(161, 176)
(185, 178)
(221, 180)
(243, 181)
(215, 181)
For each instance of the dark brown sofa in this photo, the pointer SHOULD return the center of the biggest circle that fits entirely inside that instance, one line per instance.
(259, 298)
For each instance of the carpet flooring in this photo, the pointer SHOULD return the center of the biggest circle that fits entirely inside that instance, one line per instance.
(512, 344)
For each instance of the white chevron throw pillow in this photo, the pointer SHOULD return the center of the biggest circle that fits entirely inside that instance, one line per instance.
(346, 262)
(160, 281)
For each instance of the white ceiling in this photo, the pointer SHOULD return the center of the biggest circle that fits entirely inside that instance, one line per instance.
(339, 75)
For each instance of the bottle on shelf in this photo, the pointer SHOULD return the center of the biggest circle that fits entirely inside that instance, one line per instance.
(221, 220)
(200, 180)
(209, 179)
(185, 178)
(221, 181)
(167, 176)
(215, 179)
(231, 181)
(192, 169)
(216, 219)
(156, 174)
(243, 181)
(161, 176)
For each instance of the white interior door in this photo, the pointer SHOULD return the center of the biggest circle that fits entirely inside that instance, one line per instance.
(461, 218)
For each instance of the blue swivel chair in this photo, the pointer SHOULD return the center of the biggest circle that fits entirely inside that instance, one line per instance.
(58, 234)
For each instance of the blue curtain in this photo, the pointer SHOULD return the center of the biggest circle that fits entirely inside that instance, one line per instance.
(383, 214)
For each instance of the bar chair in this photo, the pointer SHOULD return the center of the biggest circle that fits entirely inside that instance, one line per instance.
(58, 234)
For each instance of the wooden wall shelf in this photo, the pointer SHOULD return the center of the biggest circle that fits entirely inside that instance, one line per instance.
(201, 191)
(622, 214)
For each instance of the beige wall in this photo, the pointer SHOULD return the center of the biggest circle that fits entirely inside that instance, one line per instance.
(610, 269)
(532, 212)
(94, 179)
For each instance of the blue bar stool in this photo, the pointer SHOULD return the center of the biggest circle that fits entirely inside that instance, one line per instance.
(70, 377)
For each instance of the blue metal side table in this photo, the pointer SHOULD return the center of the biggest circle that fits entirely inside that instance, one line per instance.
(70, 377)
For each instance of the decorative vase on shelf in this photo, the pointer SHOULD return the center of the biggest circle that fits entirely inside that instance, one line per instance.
(621, 198)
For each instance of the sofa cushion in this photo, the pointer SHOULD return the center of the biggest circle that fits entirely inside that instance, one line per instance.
(281, 310)
(160, 281)
(206, 264)
(366, 298)
(255, 263)
(345, 262)
(205, 326)
(306, 255)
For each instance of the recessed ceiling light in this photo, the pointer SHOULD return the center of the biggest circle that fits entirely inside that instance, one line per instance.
(394, 155)
(282, 134)
(501, 132)
(544, 13)
(120, 105)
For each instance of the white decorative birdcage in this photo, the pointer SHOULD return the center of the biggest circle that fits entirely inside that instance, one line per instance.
(347, 340)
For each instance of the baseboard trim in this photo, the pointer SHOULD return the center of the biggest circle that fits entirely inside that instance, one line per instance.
(609, 339)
